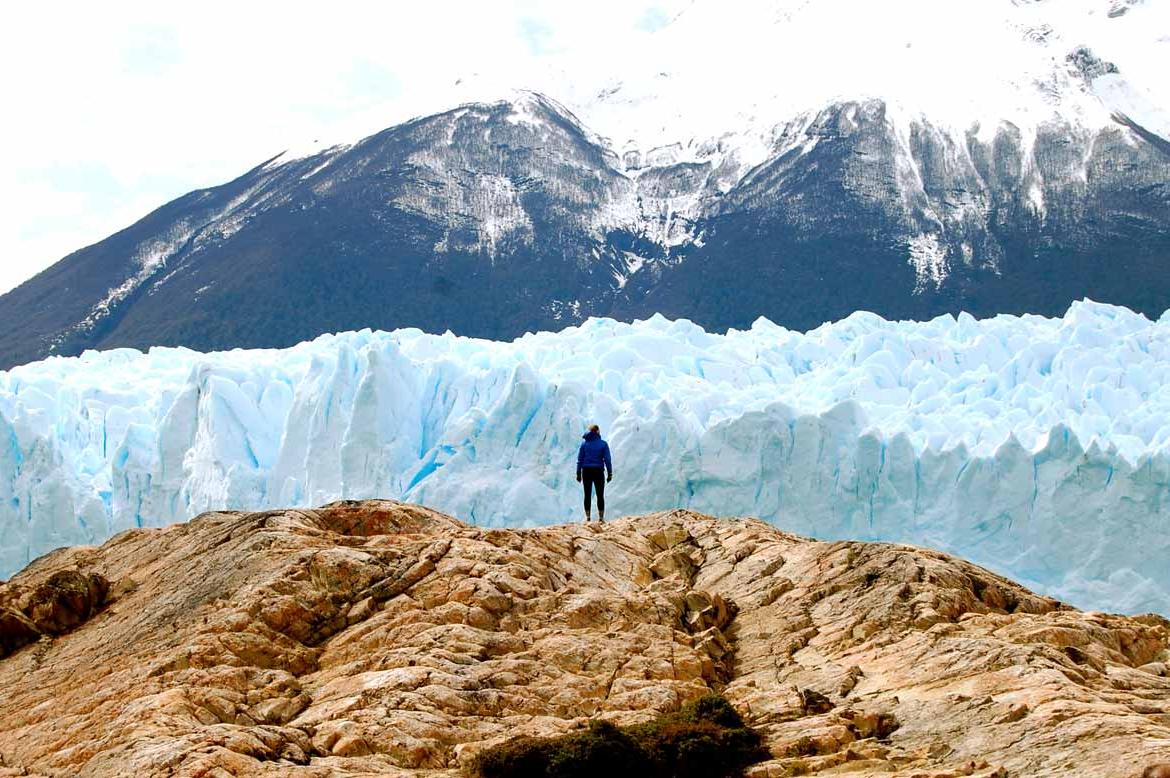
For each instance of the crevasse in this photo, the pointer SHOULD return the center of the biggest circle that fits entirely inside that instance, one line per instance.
(1037, 447)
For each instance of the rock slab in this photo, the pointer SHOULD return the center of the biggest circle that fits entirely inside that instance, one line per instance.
(380, 638)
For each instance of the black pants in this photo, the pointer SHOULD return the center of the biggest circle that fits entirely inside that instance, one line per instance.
(594, 477)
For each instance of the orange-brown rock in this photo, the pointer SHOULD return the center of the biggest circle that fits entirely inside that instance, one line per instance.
(66, 599)
(385, 639)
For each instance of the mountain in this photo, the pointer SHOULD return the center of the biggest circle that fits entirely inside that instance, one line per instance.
(767, 161)
(1037, 447)
(386, 639)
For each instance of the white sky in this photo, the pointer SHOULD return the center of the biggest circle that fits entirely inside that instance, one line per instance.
(112, 109)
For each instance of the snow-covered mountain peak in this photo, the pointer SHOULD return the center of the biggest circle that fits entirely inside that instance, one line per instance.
(733, 73)
(909, 158)
(725, 83)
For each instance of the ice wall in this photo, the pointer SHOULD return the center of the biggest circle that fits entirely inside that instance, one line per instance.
(1038, 447)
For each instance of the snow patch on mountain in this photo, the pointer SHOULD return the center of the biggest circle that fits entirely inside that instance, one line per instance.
(149, 258)
(1123, 98)
(152, 257)
(929, 259)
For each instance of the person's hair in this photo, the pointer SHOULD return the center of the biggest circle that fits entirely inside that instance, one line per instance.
(594, 428)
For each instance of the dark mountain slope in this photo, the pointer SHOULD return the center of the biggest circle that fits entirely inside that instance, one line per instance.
(494, 219)
(987, 228)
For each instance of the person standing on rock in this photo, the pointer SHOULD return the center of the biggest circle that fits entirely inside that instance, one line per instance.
(594, 469)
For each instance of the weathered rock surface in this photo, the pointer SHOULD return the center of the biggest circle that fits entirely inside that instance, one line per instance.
(379, 638)
(55, 606)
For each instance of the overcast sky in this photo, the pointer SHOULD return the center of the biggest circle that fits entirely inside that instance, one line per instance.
(112, 109)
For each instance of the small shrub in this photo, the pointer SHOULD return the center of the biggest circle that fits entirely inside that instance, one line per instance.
(706, 739)
(604, 750)
(714, 709)
(522, 757)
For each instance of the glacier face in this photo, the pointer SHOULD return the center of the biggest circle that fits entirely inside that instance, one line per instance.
(1037, 447)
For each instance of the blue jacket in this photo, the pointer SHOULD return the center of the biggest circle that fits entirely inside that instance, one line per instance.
(594, 452)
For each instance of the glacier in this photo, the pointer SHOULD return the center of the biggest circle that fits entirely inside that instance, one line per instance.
(1037, 447)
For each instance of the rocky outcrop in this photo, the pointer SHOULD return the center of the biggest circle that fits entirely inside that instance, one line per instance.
(63, 601)
(380, 638)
